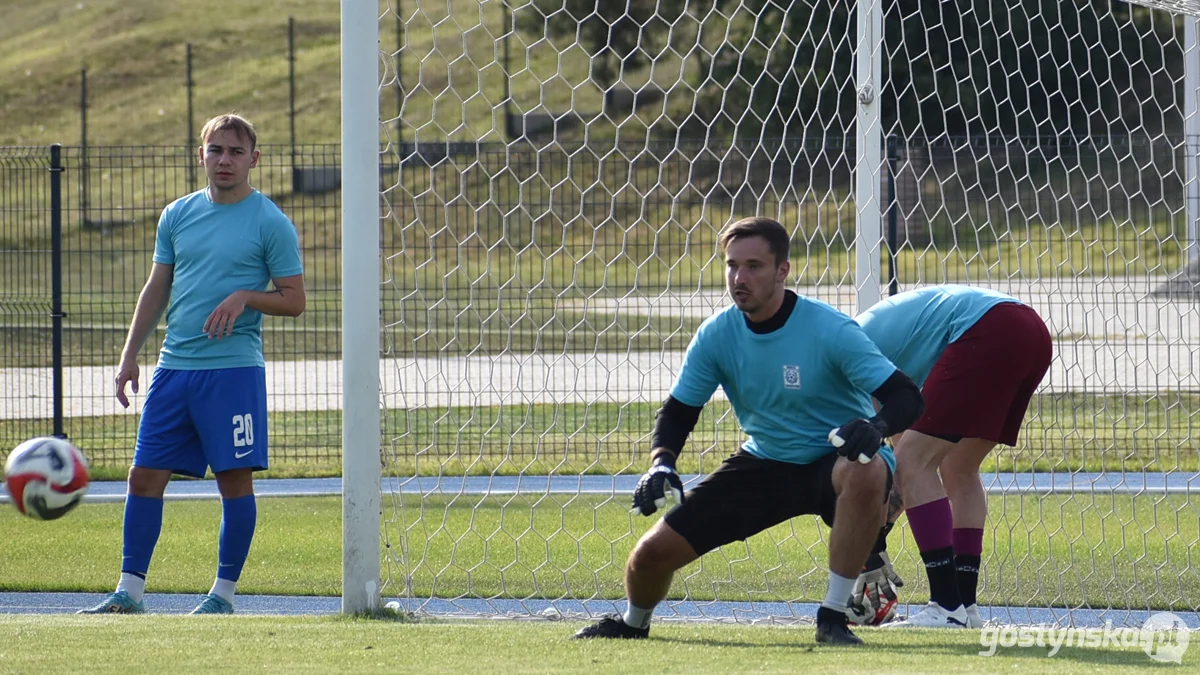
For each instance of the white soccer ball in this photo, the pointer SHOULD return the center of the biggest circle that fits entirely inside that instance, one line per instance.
(46, 477)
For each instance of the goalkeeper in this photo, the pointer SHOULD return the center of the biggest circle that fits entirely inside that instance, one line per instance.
(793, 369)
(979, 356)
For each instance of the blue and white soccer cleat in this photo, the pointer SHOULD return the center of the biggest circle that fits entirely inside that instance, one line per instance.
(213, 604)
(116, 603)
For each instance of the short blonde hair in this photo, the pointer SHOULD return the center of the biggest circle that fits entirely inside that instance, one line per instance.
(230, 122)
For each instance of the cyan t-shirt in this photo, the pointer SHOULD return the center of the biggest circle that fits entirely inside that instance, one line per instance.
(789, 388)
(913, 328)
(217, 249)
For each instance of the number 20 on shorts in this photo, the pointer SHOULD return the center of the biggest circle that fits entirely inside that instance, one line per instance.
(243, 430)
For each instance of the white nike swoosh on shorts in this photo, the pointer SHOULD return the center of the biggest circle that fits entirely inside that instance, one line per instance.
(239, 455)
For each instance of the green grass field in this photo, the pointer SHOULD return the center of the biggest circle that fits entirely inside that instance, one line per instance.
(1059, 550)
(1063, 432)
(344, 645)
(487, 256)
(329, 645)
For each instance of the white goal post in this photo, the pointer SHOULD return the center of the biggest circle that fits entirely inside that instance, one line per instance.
(531, 193)
(360, 295)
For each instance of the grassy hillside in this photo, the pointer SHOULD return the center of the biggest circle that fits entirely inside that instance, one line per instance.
(134, 51)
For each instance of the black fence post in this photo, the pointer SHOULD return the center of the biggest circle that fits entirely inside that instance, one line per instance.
(191, 122)
(291, 59)
(510, 124)
(893, 279)
(83, 146)
(56, 308)
(399, 74)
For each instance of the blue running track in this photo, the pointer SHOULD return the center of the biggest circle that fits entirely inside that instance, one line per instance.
(995, 483)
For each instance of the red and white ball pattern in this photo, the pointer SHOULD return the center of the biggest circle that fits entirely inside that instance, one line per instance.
(46, 477)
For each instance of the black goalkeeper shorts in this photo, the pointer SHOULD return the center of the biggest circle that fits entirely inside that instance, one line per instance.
(747, 495)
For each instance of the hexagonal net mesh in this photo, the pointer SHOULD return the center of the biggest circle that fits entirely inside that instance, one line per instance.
(555, 176)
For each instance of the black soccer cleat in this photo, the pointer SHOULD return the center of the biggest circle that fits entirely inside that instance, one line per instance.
(612, 626)
(832, 628)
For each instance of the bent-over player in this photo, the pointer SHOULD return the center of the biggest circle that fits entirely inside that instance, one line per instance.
(979, 356)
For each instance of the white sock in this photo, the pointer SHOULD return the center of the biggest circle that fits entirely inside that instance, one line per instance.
(637, 617)
(132, 584)
(225, 589)
(840, 590)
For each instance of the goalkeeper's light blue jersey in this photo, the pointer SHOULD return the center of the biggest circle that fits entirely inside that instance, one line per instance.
(913, 328)
(791, 386)
(217, 249)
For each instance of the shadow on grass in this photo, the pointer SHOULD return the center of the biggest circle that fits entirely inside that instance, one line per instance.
(386, 614)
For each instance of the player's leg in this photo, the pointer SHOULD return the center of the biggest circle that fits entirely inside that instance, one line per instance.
(858, 493)
(968, 394)
(960, 474)
(141, 526)
(953, 393)
(1033, 346)
(648, 574)
(875, 591)
(166, 443)
(744, 496)
(930, 518)
(650, 569)
(233, 406)
(861, 491)
(239, 516)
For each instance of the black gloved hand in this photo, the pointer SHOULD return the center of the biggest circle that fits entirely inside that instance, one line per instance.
(859, 440)
(651, 492)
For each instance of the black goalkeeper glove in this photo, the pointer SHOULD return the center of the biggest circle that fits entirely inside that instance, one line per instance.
(651, 492)
(859, 439)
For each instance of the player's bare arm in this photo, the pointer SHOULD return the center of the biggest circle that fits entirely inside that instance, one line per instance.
(286, 299)
(151, 304)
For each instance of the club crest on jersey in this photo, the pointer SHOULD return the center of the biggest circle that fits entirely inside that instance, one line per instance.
(791, 377)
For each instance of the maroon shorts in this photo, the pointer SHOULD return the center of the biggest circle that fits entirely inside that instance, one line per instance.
(982, 384)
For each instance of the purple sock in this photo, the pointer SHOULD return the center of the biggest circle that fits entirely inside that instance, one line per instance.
(968, 541)
(931, 525)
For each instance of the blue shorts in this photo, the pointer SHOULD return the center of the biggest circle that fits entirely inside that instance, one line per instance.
(194, 419)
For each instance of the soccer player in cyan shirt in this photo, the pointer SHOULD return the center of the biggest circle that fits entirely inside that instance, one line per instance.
(979, 356)
(794, 369)
(224, 256)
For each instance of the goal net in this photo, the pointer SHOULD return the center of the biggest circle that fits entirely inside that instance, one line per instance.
(554, 175)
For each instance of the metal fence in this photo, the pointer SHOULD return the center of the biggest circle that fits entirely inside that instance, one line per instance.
(76, 239)
(498, 249)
